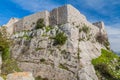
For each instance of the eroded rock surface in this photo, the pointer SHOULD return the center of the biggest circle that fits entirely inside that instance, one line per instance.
(20, 76)
(72, 61)
(36, 51)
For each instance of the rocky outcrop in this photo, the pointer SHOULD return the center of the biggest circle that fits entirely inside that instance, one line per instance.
(0, 61)
(1, 78)
(38, 52)
(20, 76)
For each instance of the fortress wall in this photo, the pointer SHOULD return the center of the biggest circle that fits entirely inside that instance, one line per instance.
(58, 15)
(62, 15)
(29, 22)
(74, 16)
(53, 17)
(10, 25)
(18, 26)
(65, 14)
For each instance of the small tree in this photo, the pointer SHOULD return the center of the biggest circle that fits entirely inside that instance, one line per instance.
(86, 29)
(4, 43)
(40, 24)
(60, 38)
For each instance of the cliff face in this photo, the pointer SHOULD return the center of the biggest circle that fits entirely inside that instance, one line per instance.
(40, 51)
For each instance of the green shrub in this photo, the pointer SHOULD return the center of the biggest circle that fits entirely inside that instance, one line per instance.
(4, 44)
(60, 38)
(40, 78)
(42, 60)
(48, 28)
(40, 24)
(37, 49)
(106, 66)
(63, 52)
(25, 36)
(80, 30)
(9, 66)
(6, 54)
(63, 67)
(85, 29)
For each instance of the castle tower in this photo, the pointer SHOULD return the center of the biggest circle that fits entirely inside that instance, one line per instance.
(66, 14)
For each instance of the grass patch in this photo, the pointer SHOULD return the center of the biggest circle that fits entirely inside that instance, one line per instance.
(6, 54)
(63, 67)
(37, 49)
(48, 28)
(9, 66)
(107, 65)
(40, 78)
(25, 36)
(85, 29)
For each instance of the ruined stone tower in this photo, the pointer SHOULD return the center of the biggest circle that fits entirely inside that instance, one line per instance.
(36, 51)
(58, 16)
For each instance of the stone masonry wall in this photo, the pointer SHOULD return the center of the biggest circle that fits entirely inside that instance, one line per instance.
(58, 15)
(66, 14)
(74, 16)
(18, 26)
(28, 22)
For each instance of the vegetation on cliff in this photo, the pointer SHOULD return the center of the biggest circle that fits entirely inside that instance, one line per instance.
(4, 43)
(40, 24)
(103, 39)
(107, 66)
(60, 38)
(8, 65)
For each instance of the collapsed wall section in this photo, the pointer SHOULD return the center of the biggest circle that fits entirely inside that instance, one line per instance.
(101, 27)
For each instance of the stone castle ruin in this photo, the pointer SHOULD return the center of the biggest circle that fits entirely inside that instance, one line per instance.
(36, 51)
(58, 16)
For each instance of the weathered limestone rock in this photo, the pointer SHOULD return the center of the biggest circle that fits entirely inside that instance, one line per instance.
(9, 25)
(35, 50)
(0, 61)
(1, 78)
(39, 56)
(20, 76)
(58, 16)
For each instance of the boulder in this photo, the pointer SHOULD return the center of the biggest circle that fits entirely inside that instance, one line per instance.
(1, 78)
(20, 76)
